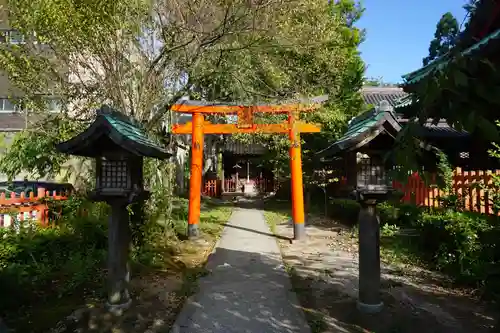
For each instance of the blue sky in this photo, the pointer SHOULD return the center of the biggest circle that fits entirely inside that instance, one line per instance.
(398, 34)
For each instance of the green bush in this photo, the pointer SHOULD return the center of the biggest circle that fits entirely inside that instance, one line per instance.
(462, 244)
(347, 211)
(40, 263)
(460, 241)
(344, 210)
(399, 214)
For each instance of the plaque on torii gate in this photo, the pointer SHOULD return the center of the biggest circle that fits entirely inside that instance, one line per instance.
(245, 124)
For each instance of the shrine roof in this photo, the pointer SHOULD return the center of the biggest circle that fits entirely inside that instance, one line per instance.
(374, 95)
(123, 131)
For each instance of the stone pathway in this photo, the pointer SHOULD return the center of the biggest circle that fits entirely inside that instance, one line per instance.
(248, 289)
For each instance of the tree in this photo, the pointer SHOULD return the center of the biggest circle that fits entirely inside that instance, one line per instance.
(142, 56)
(444, 38)
(341, 81)
(373, 82)
(377, 82)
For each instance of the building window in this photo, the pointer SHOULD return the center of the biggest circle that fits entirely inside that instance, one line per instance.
(464, 154)
(11, 104)
(15, 37)
(7, 105)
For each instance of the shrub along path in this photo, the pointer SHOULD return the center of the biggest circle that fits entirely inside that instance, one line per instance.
(324, 276)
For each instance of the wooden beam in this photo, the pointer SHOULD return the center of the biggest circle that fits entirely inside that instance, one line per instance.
(209, 128)
(187, 108)
(232, 109)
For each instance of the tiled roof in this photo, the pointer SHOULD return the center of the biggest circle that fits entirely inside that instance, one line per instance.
(441, 129)
(122, 131)
(362, 130)
(365, 127)
(374, 95)
(239, 148)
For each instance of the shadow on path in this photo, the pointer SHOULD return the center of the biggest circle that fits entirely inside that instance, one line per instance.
(258, 232)
(248, 288)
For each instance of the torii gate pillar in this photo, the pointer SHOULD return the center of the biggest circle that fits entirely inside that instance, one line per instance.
(196, 175)
(299, 230)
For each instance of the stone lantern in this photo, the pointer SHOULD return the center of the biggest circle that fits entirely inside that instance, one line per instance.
(372, 186)
(361, 150)
(118, 144)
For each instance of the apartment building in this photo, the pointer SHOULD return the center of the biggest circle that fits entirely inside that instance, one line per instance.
(13, 118)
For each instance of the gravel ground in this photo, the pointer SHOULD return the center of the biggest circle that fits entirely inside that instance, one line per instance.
(325, 274)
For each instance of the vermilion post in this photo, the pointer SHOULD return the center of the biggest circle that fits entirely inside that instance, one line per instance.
(196, 175)
(299, 231)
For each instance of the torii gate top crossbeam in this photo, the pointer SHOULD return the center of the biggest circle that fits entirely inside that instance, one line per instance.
(188, 106)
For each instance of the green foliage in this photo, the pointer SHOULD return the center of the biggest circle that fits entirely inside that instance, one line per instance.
(461, 244)
(450, 199)
(388, 230)
(160, 178)
(444, 38)
(33, 150)
(344, 210)
(407, 154)
(332, 67)
(493, 189)
(140, 58)
(397, 214)
(41, 264)
(458, 87)
(377, 82)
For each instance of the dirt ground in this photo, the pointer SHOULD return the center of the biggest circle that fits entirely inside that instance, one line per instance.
(325, 275)
(158, 294)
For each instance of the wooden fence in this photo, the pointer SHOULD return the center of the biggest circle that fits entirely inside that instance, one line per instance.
(212, 188)
(22, 208)
(474, 188)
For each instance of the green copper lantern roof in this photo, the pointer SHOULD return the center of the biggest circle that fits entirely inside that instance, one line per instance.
(116, 128)
(442, 62)
(363, 129)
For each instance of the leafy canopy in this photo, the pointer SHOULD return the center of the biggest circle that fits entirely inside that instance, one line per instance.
(141, 56)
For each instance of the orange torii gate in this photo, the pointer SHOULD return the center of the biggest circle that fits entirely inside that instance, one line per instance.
(245, 124)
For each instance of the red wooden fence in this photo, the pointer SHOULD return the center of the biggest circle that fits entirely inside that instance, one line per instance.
(22, 207)
(212, 188)
(474, 189)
